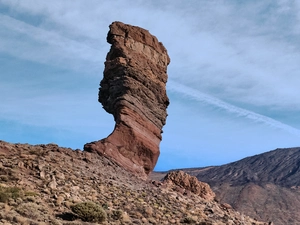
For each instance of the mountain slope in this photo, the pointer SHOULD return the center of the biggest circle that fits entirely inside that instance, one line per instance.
(264, 186)
(280, 167)
(42, 184)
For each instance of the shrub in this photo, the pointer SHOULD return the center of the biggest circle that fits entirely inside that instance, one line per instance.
(3, 197)
(30, 210)
(4, 178)
(9, 192)
(30, 193)
(117, 214)
(188, 220)
(89, 212)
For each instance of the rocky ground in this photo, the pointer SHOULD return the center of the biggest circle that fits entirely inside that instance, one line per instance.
(264, 186)
(41, 184)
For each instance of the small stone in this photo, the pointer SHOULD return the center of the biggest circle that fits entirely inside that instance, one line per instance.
(75, 189)
(172, 221)
(76, 199)
(226, 206)
(53, 185)
(68, 204)
(59, 200)
(42, 174)
(152, 220)
(20, 164)
(60, 176)
(148, 210)
(47, 191)
(125, 218)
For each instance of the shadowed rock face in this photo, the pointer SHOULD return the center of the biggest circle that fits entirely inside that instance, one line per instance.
(133, 89)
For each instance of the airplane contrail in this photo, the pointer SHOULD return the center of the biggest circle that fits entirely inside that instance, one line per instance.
(208, 99)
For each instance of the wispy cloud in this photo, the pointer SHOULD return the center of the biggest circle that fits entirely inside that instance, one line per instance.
(40, 45)
(208, 99)
(239, 52)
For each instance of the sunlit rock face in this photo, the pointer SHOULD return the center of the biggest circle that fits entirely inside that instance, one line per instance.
(133, 89)
(183, 182)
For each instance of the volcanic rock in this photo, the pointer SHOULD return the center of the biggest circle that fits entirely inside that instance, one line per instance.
(264, 186)
(133, 89)
(84, 177)
(190, 183)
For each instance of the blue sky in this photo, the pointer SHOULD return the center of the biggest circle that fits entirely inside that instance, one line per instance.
(233, 78)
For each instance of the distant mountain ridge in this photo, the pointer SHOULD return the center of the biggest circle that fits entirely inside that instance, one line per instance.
(265, 186)
(280, 166)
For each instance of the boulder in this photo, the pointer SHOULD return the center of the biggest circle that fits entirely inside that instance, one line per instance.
(179, 180)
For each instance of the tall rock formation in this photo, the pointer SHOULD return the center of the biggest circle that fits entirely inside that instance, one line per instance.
(133, 89)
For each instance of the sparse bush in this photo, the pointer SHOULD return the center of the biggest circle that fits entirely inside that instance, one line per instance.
(29, 199)
(4, 178)
(20, 220)
(117, 214)
(105, 206)
(30, 196)
(29, 210)
(188, 220)
(30, 193)
(9, 192)
(3, 197)
(89, 212)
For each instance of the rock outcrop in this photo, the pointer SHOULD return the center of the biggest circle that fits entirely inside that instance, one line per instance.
(185, 183)
(264, 186)
(133, 89)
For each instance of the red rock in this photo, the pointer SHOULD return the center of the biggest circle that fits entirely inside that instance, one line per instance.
(226, 206)
(133, 89)
(190, 183)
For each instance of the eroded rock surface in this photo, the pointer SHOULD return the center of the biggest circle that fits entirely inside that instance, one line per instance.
(184, 183)
(133, 89)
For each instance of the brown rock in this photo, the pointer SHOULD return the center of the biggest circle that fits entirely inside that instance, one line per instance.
(42, 174)
(59, 200)
(190, 183)
(53, 185)
(133, 89)
(226, 206)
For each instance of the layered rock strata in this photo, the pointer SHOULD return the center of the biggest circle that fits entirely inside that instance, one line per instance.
(133, 89)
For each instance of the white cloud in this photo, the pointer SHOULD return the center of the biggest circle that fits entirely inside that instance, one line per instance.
(44, 46)
(230, 49)
(194, 94)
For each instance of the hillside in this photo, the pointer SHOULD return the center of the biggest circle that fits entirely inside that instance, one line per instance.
(280, 167)
(41, 184)
(264, 186)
